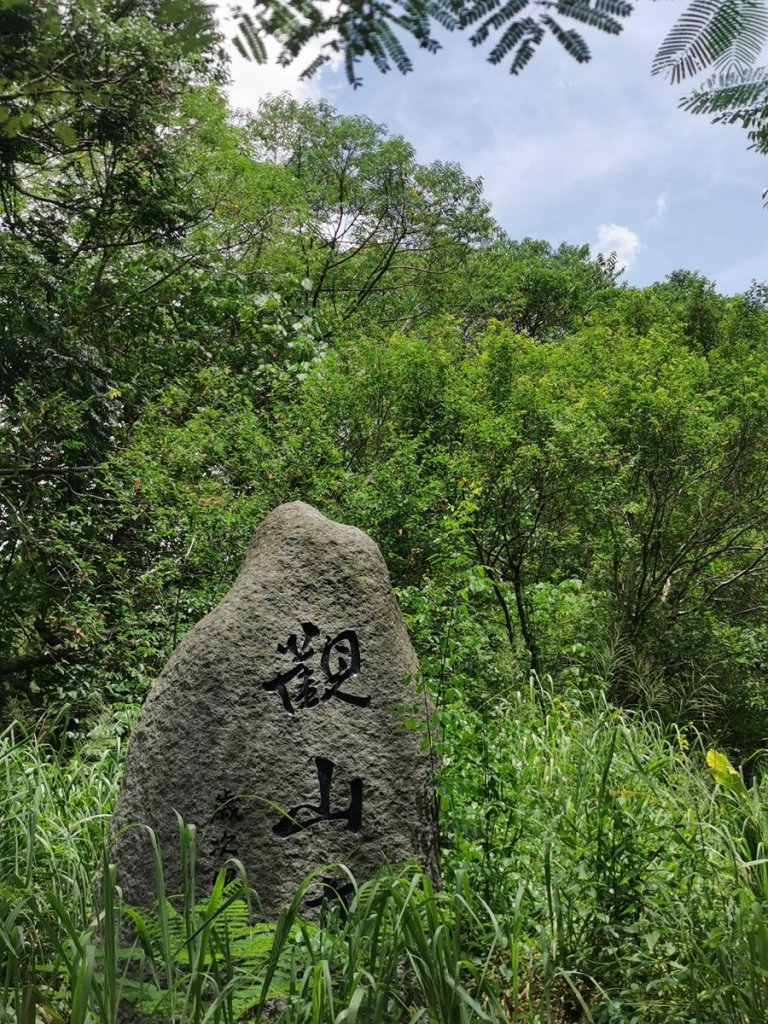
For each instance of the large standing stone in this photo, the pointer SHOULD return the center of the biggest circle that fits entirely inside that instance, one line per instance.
(283, 724)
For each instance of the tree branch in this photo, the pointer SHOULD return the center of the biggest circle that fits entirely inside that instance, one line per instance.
(25, 662)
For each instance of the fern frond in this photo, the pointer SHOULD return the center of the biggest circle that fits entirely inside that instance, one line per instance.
(617, 8)
(595, 17)
(391, 44)
(524, 36)
(730, 100)
(349, 67)
(497, 19)
(249, 42)
(569, 39)
(312, 68)
(516, 32)
(727, 34)
(278, 20)
(477, 10)
(443, 15)
(523, 55)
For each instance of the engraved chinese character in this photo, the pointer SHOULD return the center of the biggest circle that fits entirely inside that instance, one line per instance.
(228, 806)
(339, 661)
(291, 823)
(228, 811)
(300, 669)
(223, 846)
(332, 891)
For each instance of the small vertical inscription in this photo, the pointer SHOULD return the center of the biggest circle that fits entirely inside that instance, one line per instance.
(223, 841)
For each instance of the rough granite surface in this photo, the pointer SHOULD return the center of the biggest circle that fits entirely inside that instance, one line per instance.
(288, 755)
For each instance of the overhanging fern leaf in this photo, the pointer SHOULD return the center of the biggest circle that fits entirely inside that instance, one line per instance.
(392, 45)
(617, 8)
(583, 11)
(569, 39)
(510, 39)
(731, 101)
(523, 55)
(249, 42)
(369, 28)
(729, 34)
(314, 67)
(497, 19)
(443, 15)
(479, 9)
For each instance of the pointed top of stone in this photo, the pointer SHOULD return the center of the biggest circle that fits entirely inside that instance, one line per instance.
(299, 524)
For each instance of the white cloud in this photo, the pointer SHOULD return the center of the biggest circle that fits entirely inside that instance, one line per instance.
(661, 208)
(251, 82)
(621, 240)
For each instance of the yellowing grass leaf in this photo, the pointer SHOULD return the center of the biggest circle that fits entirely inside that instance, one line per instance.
(722, 769)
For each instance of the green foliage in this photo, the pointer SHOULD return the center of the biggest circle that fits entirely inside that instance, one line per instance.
(530, 287)
(595, 453)
(726, 38)
(359, 30)
(205, 316)
(96, 333)
(597, 865)
(73, 949)
(373, 228)
(629, 464)
(729, 36)
(637, 880)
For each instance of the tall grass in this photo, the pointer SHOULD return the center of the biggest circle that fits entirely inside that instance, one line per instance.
(54, 814)
(401, 952)
(639, 869)
(596, 869)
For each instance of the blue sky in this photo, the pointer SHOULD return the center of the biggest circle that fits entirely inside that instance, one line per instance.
(596, 153)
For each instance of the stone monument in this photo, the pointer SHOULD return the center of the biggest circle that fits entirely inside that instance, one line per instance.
(288, 725)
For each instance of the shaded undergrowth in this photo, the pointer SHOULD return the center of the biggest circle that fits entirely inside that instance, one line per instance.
(597, 865)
